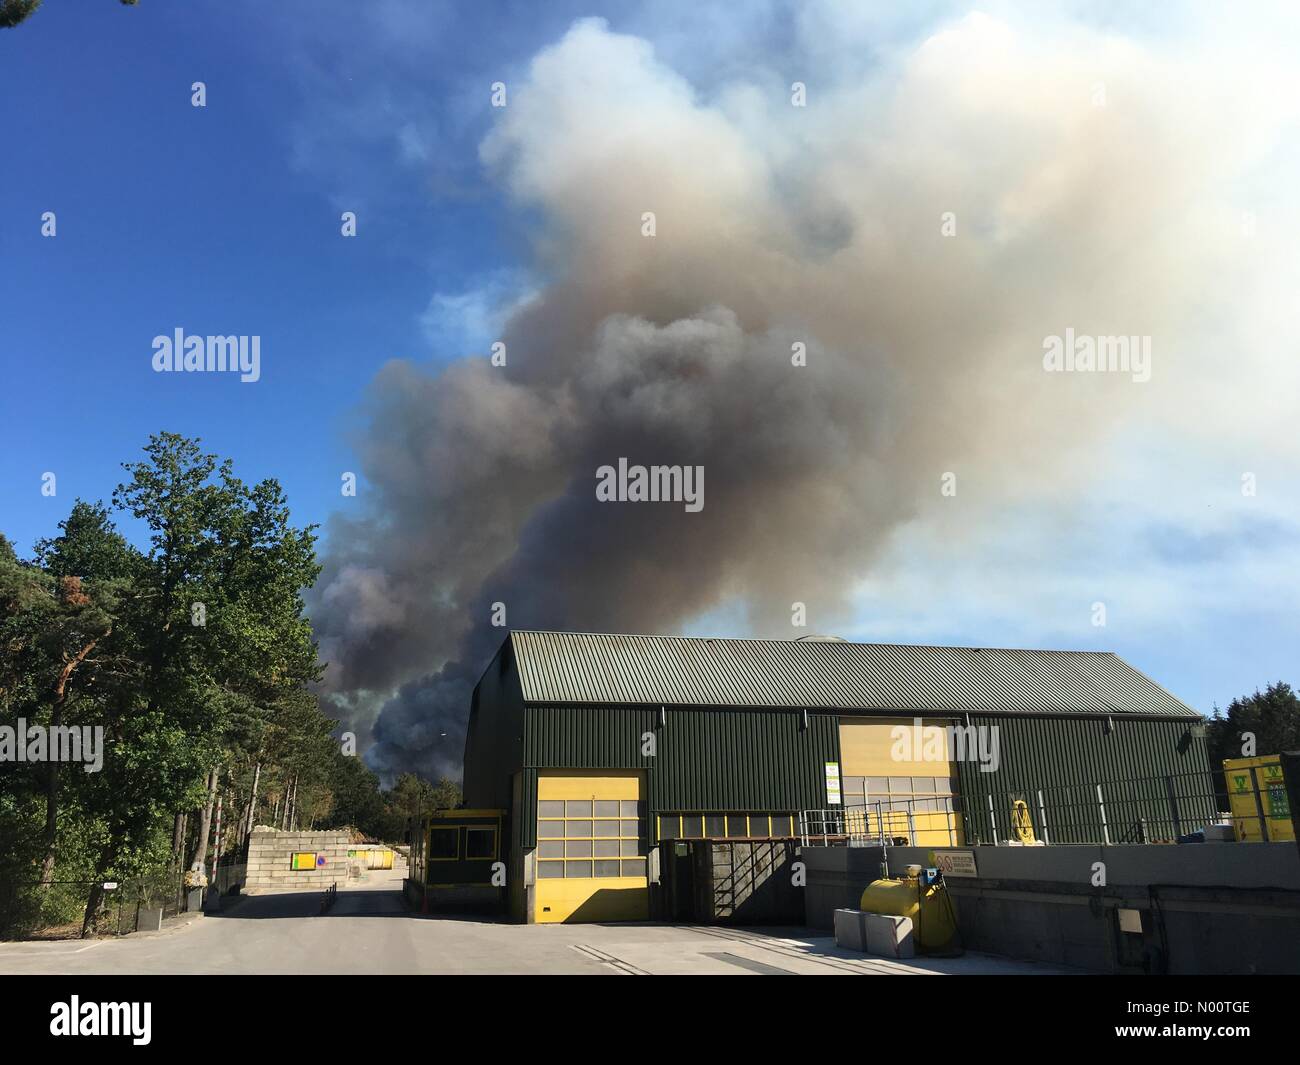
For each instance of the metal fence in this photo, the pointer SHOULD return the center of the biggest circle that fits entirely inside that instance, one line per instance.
(1161, 809)
(121, 903)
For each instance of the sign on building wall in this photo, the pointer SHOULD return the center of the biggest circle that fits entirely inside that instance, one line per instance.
(833, 784)
(956, 863)
(303, 860)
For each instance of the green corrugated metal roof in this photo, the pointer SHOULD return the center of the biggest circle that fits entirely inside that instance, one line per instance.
(607, 669)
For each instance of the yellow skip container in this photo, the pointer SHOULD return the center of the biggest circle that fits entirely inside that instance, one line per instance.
(1257, 797)
(928, 907)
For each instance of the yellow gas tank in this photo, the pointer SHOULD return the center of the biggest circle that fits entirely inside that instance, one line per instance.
(928, 908)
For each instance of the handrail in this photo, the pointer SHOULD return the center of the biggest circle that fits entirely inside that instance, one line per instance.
(1168, 808)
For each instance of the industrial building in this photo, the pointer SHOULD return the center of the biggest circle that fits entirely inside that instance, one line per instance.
(634, 777)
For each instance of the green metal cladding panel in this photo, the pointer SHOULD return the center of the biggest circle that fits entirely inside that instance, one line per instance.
(706, 759)
(1150, 771)
(493, 737)
(523, 819)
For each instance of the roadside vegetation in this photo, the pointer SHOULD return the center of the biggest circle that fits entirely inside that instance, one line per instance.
(193, 656)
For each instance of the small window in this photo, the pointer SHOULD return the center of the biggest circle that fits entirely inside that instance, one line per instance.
(578, 869)
(715, 826)
(629, 848)
(577, 829)
(577, 808)
(607, 848)
(550, 808)
(782, 825)
(550, 849)
(550, 870)
(607, 828)
(607, 868)
(631, 808)
(633, 867)
(578, 848)
(550, 829)
(444, 844)
(607, 807)
(758, 824)
(692, 826)
(480, 843)
(669, 826)
(736, 825)
(877, 786)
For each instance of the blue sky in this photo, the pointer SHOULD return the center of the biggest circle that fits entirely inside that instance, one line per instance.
(225, 219)
(205, 218)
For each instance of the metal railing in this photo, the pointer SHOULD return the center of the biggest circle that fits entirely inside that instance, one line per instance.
(1163, 809)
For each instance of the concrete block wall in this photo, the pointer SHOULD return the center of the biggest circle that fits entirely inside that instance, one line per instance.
(1231, 908)
(270, 854)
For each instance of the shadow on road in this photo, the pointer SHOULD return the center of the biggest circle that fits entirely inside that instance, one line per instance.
(290, 904)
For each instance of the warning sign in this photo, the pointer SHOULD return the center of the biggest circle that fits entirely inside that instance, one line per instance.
(956, 863)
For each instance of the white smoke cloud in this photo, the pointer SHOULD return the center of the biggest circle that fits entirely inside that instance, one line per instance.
(1098, 183)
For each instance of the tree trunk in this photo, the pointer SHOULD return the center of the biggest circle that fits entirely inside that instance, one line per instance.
(252, 805)
(92, 907)
(216, 846)
(178, 837)
(205, 821)
(52, 769)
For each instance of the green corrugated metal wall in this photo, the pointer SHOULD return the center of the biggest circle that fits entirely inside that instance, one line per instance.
(706, 759)
(523, 810)
(493, 738)
(1066, 757)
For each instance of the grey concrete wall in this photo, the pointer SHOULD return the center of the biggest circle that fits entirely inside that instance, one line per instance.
(1210, 908)
(269, 854)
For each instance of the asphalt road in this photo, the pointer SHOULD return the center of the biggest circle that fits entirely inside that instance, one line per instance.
(369, 930)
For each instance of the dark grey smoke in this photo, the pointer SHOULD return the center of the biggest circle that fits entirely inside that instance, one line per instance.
(776, 226)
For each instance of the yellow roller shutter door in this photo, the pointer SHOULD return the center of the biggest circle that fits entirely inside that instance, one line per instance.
(591, 847)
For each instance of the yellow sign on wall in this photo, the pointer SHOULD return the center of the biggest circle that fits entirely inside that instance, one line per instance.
(303, 860)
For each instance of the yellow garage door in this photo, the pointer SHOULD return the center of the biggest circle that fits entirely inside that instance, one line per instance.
(591, 847)
(899, 780)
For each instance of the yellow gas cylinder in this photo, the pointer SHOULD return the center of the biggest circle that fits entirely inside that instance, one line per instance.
(928, 908)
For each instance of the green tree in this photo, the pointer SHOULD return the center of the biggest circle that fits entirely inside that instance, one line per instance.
(195, 658)
(223, 645)
(12, 12)
(414, 797)
(1271, 717)
(88, 546)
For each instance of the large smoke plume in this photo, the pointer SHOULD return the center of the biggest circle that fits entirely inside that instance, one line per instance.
(776, 225)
